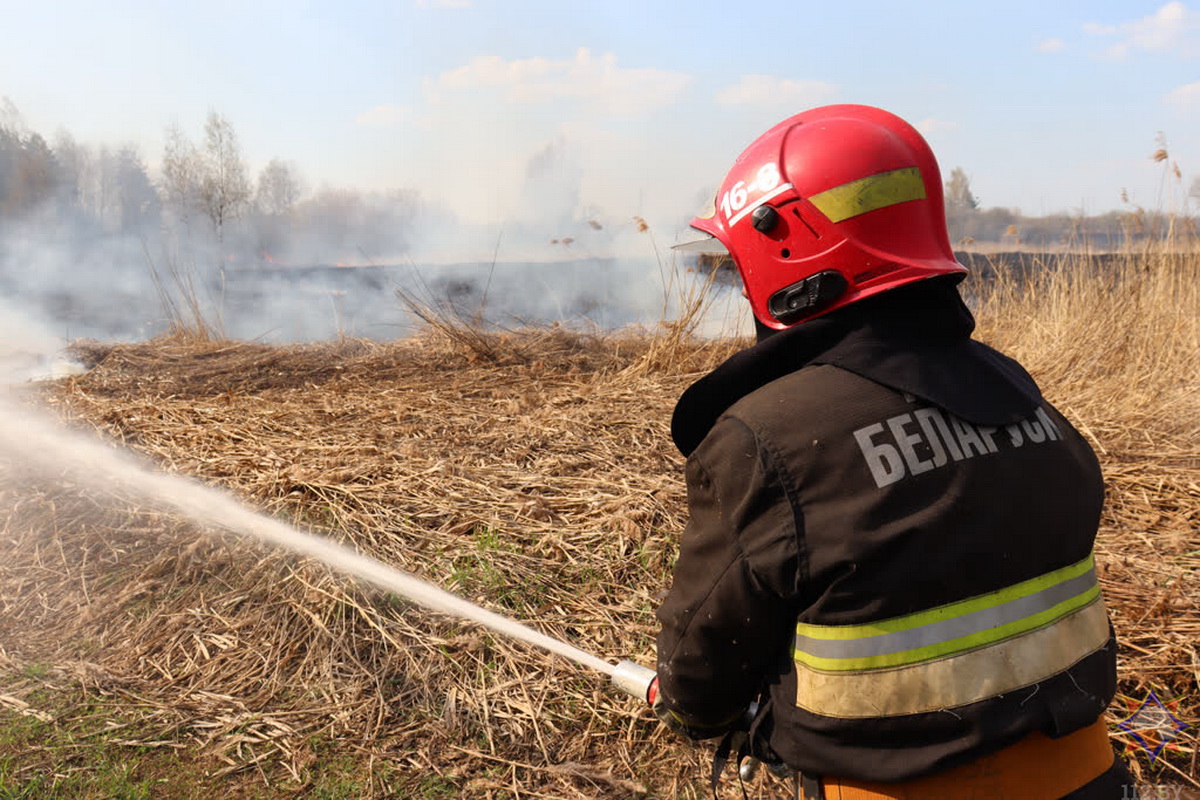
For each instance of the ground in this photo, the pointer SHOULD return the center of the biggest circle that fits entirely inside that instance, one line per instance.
(143, 654)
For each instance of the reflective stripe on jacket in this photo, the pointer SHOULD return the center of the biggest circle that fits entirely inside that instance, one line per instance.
(955, 654)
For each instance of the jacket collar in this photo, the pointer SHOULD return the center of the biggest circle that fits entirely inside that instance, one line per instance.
(916, 339)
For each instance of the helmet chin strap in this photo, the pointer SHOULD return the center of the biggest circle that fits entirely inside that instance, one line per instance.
(763, 332)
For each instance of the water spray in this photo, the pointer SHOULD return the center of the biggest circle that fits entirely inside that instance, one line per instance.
(36, 440)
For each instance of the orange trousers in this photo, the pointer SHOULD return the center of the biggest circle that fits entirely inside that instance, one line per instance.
(1035, 768)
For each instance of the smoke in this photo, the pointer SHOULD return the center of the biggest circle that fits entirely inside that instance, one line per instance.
(92, 247)
(68, 284)
(27, 349)
(553, 178)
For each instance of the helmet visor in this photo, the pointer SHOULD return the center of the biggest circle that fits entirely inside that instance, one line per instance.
(706, 244)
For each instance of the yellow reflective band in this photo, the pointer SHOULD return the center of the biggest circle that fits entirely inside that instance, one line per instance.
(951, 629)
(961, 644)
(958, 681)
(870, 193)
(957, 609)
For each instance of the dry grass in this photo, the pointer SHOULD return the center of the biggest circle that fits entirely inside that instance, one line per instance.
(1119, 353)
(531, 472)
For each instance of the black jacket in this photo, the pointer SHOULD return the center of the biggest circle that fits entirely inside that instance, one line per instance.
(869, 466)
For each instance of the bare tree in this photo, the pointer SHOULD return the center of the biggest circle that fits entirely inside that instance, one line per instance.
(102, 193)
(10, 117)
(138, 203)
(72, 159)
(10, 157)
(958, 192)
(224, 187)
(181, 174)
(279, 188)
(27, 172)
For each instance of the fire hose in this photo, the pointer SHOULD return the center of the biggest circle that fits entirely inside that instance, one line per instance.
(642, 683)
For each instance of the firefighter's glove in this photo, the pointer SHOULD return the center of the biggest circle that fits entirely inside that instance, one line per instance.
(683, 725)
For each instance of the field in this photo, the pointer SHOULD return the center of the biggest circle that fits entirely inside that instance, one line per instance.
(143, 656)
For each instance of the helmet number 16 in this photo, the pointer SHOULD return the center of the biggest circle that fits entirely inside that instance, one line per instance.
(765, 179)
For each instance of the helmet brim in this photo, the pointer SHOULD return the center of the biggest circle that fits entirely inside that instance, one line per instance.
(707, 244)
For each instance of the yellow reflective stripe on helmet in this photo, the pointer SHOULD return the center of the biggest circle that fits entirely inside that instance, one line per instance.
(870, 193)
(951, 629)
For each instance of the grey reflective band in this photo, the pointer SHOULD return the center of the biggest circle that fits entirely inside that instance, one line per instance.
(952, 629)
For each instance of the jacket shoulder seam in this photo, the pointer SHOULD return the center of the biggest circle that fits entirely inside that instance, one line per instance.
(773, 466)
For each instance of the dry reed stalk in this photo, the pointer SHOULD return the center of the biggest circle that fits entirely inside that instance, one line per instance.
(531, 472)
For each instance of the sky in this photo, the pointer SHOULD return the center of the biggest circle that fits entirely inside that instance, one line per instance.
(639, 107)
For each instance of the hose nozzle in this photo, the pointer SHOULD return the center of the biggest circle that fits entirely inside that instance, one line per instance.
(634, 679)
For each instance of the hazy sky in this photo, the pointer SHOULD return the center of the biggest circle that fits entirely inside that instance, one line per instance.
(1048, 105)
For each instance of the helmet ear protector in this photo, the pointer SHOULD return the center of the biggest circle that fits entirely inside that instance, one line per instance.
(804, 297)
(807, 297)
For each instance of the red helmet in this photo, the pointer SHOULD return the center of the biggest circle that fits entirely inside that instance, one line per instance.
(829, 207)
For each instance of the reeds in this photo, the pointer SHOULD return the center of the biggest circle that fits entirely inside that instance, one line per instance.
(1117, 349)
(529, 471)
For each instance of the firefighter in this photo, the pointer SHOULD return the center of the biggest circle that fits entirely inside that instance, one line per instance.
(889, 547)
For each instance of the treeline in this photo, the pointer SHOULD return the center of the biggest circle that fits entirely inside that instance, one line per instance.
(1010, 227)
(969, 223)
(202, 194)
